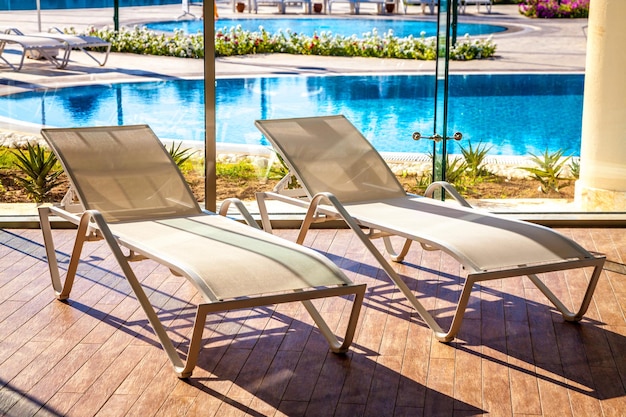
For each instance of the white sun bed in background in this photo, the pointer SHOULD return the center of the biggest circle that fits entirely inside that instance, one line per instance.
(35, 46)
(80, 42)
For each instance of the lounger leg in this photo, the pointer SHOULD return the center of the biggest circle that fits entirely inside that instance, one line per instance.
(358, 291)
(584, 305)
(194, 345)
(266, 224)
(100, 63)
(62, 289)
(2, 45)
(335, 345)
(397, 257)
(439, 333)
(179, 365)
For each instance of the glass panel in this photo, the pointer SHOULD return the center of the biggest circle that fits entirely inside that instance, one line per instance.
(508, 105)
(128, 89)
(441, 93)
(528, 119)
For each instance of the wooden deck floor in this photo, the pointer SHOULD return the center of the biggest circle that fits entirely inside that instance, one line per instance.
(96, 355)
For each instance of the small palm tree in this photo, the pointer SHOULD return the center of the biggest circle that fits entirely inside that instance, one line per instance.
(180, 156)
(548, 169)
(475, 160)
(40, 172)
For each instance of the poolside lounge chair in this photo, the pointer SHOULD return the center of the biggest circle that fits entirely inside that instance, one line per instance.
(431, 4)
(35, 46)
(355, 5)
(80, 42)
(486, 3)
(426, 3)
(344, 177)
(134, 197)
(282, 4)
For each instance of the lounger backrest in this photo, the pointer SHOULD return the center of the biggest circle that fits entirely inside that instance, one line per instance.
(328, 154)
(124, 172)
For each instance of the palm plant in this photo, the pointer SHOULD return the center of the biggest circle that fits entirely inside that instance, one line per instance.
(180, 156)
(455, 171)
(475, 160)
(40, 171)
(548, 169)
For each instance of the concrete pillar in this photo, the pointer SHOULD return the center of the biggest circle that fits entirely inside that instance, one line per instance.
(602, 183)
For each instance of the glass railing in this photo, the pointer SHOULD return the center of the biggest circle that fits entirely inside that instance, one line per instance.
(507, 131)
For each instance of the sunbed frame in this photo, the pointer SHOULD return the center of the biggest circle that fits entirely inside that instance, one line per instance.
(344, 177)
(135, 198)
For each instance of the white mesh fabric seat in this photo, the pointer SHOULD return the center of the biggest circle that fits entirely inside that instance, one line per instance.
(344, 176)
(134, 196)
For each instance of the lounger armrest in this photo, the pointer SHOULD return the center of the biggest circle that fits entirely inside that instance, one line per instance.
(223, 210)
(320, 216)
(448, 188)
(74, 218)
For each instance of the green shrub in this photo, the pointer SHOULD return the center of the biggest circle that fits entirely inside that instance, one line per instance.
(7, 159)
(240, 170)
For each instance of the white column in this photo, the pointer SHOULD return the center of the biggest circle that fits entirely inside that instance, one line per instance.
(602, 183)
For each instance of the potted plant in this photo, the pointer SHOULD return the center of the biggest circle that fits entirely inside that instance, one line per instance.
(240, 7)
(317, 7)
(389, 7)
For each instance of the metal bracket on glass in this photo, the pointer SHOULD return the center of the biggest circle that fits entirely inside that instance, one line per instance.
(437, 137)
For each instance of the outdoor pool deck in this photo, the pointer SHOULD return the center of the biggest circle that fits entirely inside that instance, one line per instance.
(95, 355)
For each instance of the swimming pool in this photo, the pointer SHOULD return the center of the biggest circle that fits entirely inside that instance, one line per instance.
(337, 26)
(514, 113)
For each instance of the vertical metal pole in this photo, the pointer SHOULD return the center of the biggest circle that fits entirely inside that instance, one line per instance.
(39, 15)
(210, 153)
(455, 19)
(116, 15)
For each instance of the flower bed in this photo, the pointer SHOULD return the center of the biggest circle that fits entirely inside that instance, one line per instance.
(237, 41)
(550, 9)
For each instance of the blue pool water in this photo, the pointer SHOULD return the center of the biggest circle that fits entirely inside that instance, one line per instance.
(515, 113)
(336, 26)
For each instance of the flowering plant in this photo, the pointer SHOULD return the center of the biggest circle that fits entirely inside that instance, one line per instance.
(555, 8)
(236, 41)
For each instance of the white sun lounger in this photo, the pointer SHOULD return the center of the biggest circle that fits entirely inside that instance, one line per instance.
(135, 197)
(487, 3)
(80, 42)
(47, 48)
(344, 177)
